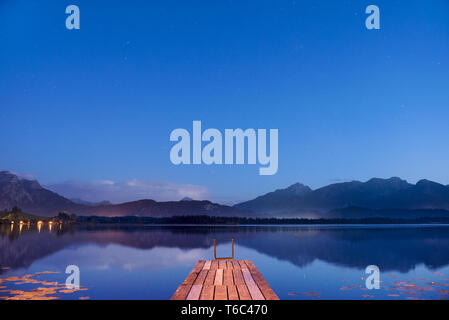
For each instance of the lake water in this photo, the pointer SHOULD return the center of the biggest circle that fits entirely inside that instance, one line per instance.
(299, 262)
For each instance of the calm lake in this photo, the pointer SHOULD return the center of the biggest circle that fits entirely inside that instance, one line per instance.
(299, 262)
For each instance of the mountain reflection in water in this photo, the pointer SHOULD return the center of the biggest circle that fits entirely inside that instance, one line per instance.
(157, 258)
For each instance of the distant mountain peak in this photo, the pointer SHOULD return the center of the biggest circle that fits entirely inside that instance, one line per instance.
(186, 199)
(430, 186)
(29, 195)
(392, 180)
(427, 182)
(15, 176)
(276, 200)
(8, 175)
(297, 188)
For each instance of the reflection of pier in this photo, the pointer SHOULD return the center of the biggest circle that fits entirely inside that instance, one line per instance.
(224, 280)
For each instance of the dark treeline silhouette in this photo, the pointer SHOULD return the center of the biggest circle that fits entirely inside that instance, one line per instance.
(250, 221)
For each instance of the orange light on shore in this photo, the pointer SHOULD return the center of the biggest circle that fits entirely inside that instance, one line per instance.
(39, 226)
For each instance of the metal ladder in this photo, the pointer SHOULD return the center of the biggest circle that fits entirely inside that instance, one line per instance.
(228, 258)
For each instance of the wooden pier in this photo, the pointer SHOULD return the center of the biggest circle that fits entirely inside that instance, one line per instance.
(224, 279)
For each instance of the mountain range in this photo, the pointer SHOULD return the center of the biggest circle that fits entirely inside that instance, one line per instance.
(376, 197)
(31, 197)
(375, 194)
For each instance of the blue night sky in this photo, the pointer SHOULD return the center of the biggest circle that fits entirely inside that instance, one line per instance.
(97, 105)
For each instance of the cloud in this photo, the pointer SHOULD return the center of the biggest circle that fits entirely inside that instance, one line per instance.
(27, 176)
(123, 191)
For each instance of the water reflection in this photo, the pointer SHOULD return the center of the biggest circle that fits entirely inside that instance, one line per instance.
(391, 248)
(324, 256)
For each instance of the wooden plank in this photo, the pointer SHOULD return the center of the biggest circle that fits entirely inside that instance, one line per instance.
(261, 282)
(253, 289)
(220, 293)
(243, 292)
(238, 277)
(183, 290)
(243, 264)
(201, 277)
(218, 277)
(232, 293)
(214, 265)
(190, 279)
(208, 292)
(193, 274)
(250, 264)
(235, 264)
(181, 293)
(210, 278)
(195, 292)
(221, 264)
(229, 264)
(228, 278)
(207, 265)
(199, 265)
